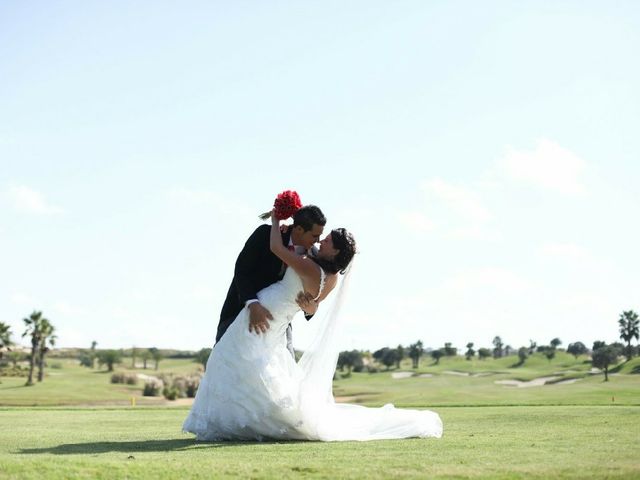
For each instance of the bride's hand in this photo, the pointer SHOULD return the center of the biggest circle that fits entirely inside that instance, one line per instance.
(274, 219)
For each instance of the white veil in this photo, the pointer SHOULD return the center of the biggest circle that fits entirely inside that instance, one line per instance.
(318, 362)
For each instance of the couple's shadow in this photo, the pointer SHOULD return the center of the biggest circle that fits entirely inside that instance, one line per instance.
(139, 446)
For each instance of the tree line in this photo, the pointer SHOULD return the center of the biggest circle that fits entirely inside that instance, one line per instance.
(41, 334)
(110, 358)
(603, 355)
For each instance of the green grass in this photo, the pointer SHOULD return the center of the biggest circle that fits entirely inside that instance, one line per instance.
(446, 389)
(486, 442)
(75, 385)
(586, 429)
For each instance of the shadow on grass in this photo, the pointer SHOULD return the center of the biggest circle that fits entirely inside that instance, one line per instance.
(140, 446)
(22, 385)
(618, 367)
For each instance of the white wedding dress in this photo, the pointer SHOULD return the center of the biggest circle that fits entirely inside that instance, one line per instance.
(254, 390)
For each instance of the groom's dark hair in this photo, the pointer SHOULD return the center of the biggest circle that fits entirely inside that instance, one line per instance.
(308, 216)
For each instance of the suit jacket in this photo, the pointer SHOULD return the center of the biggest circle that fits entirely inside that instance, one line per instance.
(256, 268)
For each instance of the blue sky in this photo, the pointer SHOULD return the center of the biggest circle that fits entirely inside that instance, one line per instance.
(484, 154)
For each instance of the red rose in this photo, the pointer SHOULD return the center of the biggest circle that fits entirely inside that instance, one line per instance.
(286, 205)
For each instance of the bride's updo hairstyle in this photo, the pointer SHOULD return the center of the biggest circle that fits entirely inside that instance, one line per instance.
(345, 243)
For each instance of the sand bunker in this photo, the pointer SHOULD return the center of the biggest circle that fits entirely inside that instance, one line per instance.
(567, 381)
(536, 382)
(401, 374)
(453, 372)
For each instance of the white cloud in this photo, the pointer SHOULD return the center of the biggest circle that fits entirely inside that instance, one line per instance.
(461, 209)
(548, 166)
(464, 201)
(27, 200)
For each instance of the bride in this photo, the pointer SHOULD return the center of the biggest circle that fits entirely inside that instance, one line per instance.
(253, 389)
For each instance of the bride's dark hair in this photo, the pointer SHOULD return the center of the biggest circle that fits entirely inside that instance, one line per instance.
(345, 243)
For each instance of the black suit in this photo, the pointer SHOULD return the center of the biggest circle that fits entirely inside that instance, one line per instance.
(256, 268)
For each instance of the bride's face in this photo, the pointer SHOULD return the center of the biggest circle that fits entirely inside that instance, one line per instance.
(326, 249)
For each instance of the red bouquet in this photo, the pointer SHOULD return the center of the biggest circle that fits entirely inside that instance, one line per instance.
(286, 204)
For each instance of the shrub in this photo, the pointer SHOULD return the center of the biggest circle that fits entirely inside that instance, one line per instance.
(152, 388)
(192, 387)
(56, 365)
(171, 393)
(86, 360)
(12, 371)
(128, 378)
(180, 384)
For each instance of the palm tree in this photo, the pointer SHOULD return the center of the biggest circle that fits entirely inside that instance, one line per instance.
(629, 329)
(34, 329)
(46, 337)
(5, 337)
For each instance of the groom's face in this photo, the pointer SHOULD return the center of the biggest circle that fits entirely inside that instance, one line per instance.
(306, 239)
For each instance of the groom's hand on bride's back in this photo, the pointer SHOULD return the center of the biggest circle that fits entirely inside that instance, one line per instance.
(259, 318)
(307, 303)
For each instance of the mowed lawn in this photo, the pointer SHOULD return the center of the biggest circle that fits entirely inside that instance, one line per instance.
(71, 384)
(454, 382)
(479, 442)
(458, 382)
(586, 429)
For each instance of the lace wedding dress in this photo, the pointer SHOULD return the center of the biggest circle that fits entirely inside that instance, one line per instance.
(254, 390)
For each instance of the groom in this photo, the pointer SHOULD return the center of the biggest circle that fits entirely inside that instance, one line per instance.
(257, 267)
